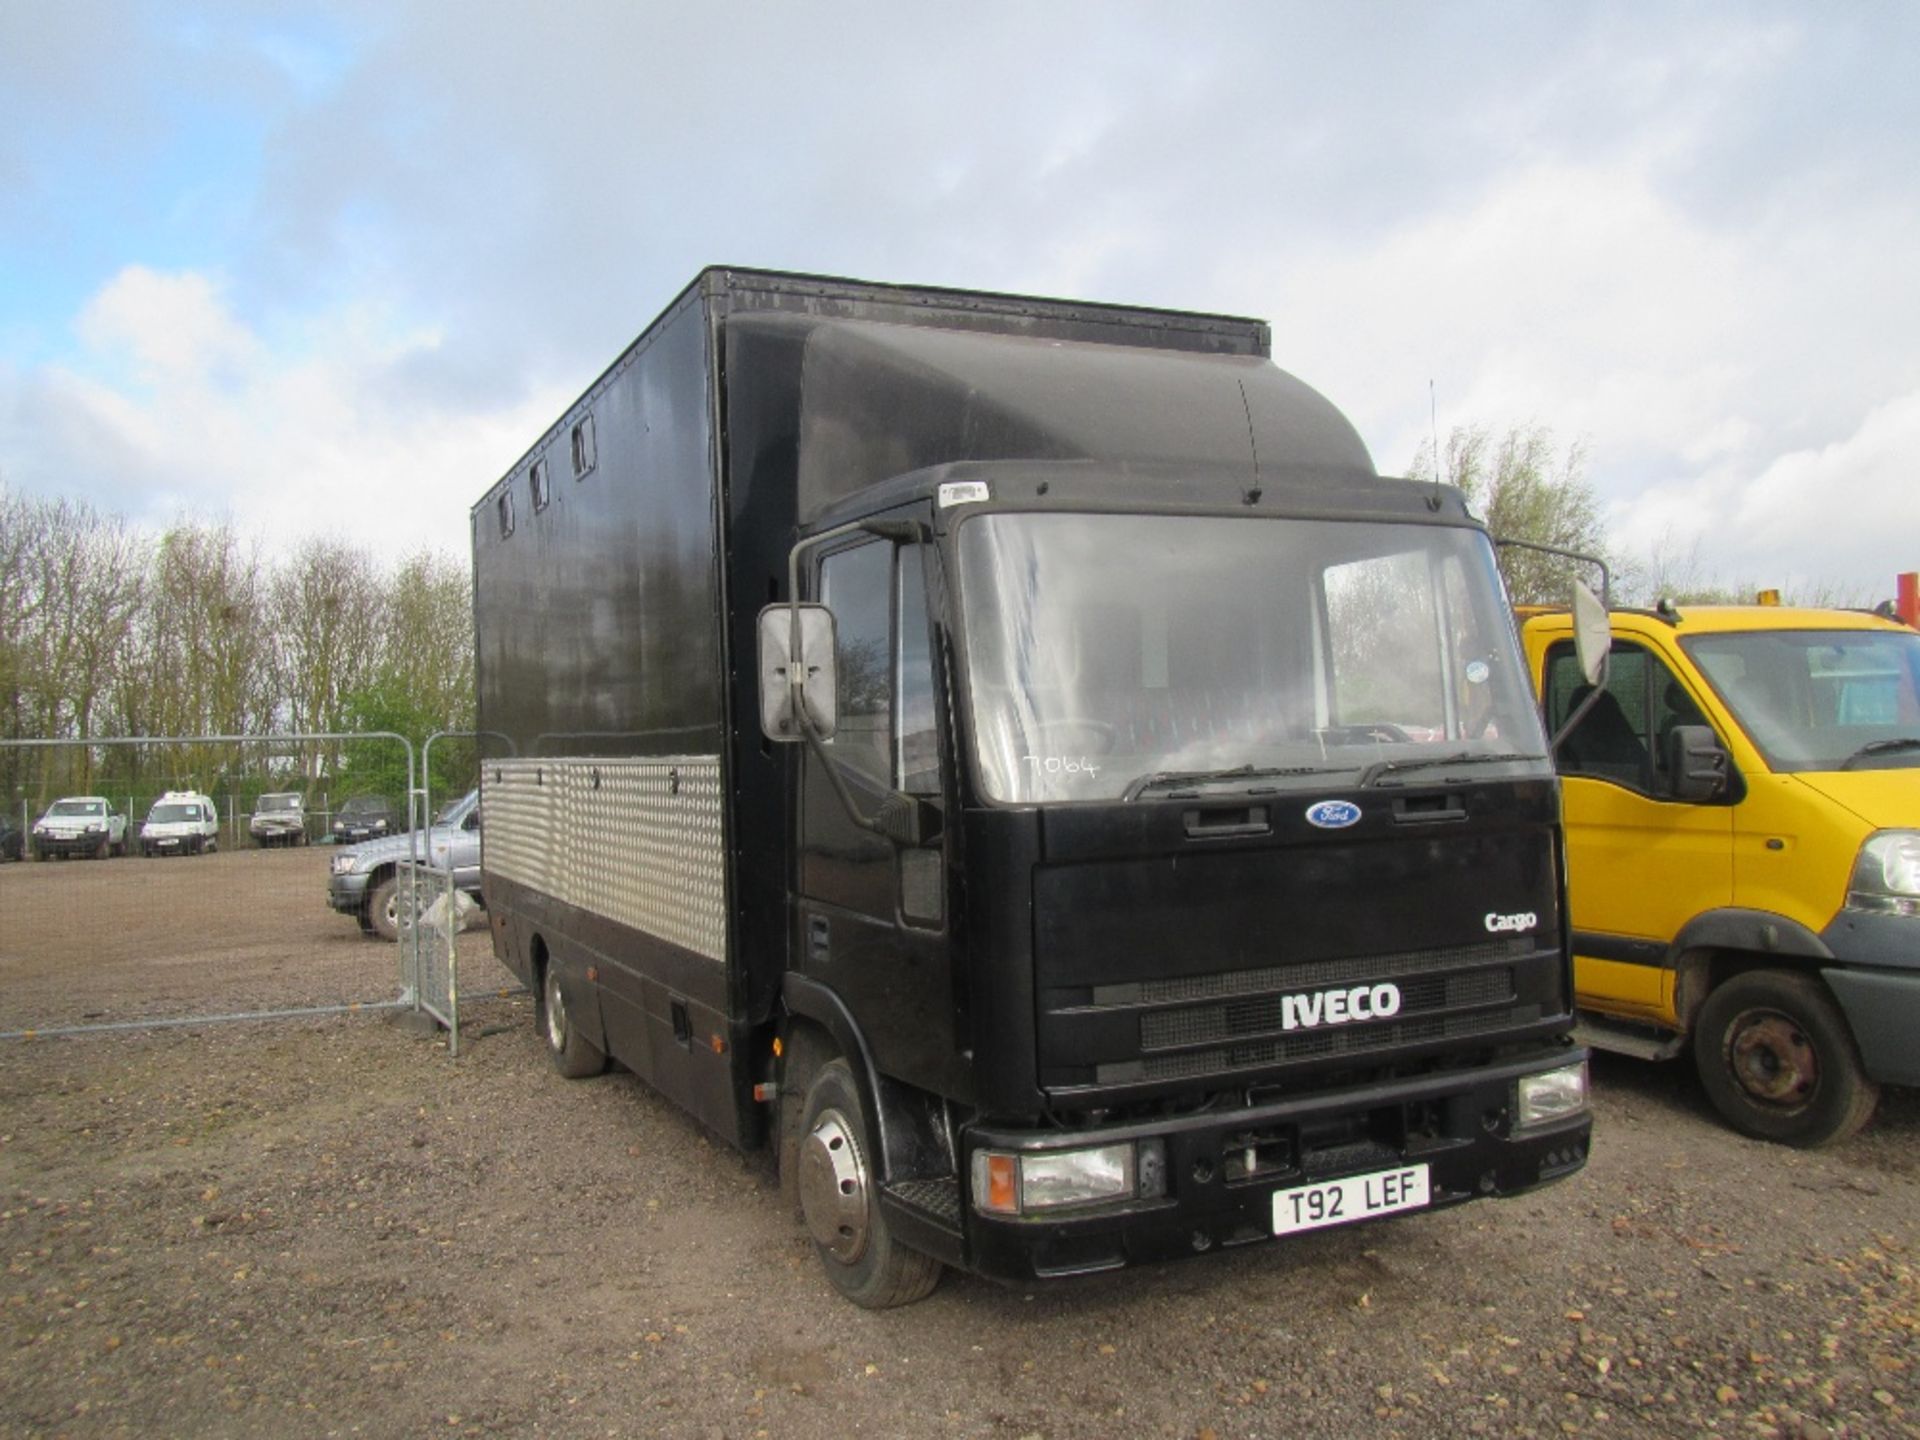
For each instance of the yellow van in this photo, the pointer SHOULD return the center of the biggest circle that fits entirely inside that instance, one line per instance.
(1742, 805)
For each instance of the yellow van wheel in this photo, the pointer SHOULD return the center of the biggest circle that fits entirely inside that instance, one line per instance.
(1778, 1061)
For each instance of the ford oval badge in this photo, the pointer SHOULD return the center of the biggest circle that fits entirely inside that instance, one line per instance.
(1333, 814)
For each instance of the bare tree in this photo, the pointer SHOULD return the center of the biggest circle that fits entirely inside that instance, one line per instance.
(1525, 490)
(329, 618)
(85, 574)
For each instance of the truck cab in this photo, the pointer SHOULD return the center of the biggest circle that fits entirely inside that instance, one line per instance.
(1247, 812)
(1742, 806)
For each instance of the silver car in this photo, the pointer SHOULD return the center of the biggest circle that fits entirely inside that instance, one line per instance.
(279, 819)
(364, 879)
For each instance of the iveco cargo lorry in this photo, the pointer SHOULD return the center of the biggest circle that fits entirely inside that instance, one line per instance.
(1019, 759)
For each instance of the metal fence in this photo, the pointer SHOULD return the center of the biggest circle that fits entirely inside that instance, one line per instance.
(102, 928)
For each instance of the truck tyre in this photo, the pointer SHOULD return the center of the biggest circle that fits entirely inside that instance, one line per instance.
(839, 1196)
(807, 1049)
(100, 850)
(573, 1055)
(1779, 1063)
(383, 908)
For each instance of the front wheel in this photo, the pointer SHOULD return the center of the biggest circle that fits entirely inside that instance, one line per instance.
(573, 1055)
(839, 1196)
(1779, 1063)
(383, 909)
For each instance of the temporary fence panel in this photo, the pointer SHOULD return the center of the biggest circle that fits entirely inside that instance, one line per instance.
(188, 919)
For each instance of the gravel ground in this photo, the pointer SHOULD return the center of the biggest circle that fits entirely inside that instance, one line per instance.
(331, 1227)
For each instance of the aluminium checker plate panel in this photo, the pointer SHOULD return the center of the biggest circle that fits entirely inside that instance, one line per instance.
(636, 841)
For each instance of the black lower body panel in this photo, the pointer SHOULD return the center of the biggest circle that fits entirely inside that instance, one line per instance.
(1224, 1166)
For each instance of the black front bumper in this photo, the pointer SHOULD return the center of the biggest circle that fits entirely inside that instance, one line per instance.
(1458, 1124)
(68, 844)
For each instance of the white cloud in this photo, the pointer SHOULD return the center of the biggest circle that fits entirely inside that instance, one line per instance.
(1706, 364)
(309, 436)
(1846, 514)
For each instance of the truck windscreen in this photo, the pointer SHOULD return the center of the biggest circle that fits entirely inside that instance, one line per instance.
(1820, 699)
(1108, 652)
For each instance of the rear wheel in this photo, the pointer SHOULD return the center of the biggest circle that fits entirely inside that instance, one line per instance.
(573, 1055)
(1778, 1061)
(839, 1197)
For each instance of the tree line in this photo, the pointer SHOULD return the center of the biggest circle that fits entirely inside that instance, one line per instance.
(110, 630)
(1527, 487)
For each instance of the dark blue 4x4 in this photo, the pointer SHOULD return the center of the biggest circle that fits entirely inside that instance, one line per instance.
(366, 817)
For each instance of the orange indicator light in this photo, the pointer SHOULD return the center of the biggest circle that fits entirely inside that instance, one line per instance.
(1003, 1173)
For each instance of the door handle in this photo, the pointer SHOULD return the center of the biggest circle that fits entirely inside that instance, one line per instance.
(1226, 822)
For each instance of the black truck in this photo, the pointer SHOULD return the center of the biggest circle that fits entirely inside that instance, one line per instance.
(1019, 758)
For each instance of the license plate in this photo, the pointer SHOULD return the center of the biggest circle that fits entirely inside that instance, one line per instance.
(163, 844)
(1357, 1197)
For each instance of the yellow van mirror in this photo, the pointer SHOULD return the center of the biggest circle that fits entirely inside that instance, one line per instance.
(1592, 636)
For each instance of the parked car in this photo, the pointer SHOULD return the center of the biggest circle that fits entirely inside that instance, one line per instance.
(80, 825)
(364, 880)
(366, 817)
(279, 819)
(13, 844)
(181, 822)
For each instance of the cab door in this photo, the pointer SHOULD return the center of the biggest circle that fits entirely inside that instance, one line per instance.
(873, 911)
(1640, 863)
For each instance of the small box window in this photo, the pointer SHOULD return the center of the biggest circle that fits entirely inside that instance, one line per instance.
(505, 507)
(537, 483)
(583, 454)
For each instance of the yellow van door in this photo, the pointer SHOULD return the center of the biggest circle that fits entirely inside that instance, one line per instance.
(1640, 864)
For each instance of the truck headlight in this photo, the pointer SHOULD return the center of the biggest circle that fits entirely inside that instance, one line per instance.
(1015, 1183)
(1550, 1095)
(1886, 877)
(343, 864)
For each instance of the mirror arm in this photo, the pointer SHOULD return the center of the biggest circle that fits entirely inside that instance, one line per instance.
(1579, 714)
(1606, 575)
(834, 777)
(796, 677)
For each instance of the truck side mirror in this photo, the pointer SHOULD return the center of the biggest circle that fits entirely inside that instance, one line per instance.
(1696, 763)
(1592, 635)
(786, 682)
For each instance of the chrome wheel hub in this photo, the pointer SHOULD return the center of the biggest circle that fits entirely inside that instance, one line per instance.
(833, 1187)
(556, 1005)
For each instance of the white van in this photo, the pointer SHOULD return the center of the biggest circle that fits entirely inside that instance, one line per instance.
(181, 822)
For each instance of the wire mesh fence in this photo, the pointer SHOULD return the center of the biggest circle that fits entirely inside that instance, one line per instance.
(168, 881)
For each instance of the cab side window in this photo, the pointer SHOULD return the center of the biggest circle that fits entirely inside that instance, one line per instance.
(857, 585)
(1624, 737)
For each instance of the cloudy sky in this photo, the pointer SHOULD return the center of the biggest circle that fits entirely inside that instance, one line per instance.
(323, 266)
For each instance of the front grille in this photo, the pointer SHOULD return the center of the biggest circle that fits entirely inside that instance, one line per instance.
(1232, 1022)
(1202, 1025)
(1314, 1045)
(1312, 975)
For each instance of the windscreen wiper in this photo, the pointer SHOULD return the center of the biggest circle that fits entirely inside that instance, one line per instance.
(1379, 768)
(1881, 747)
(1164, 779)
